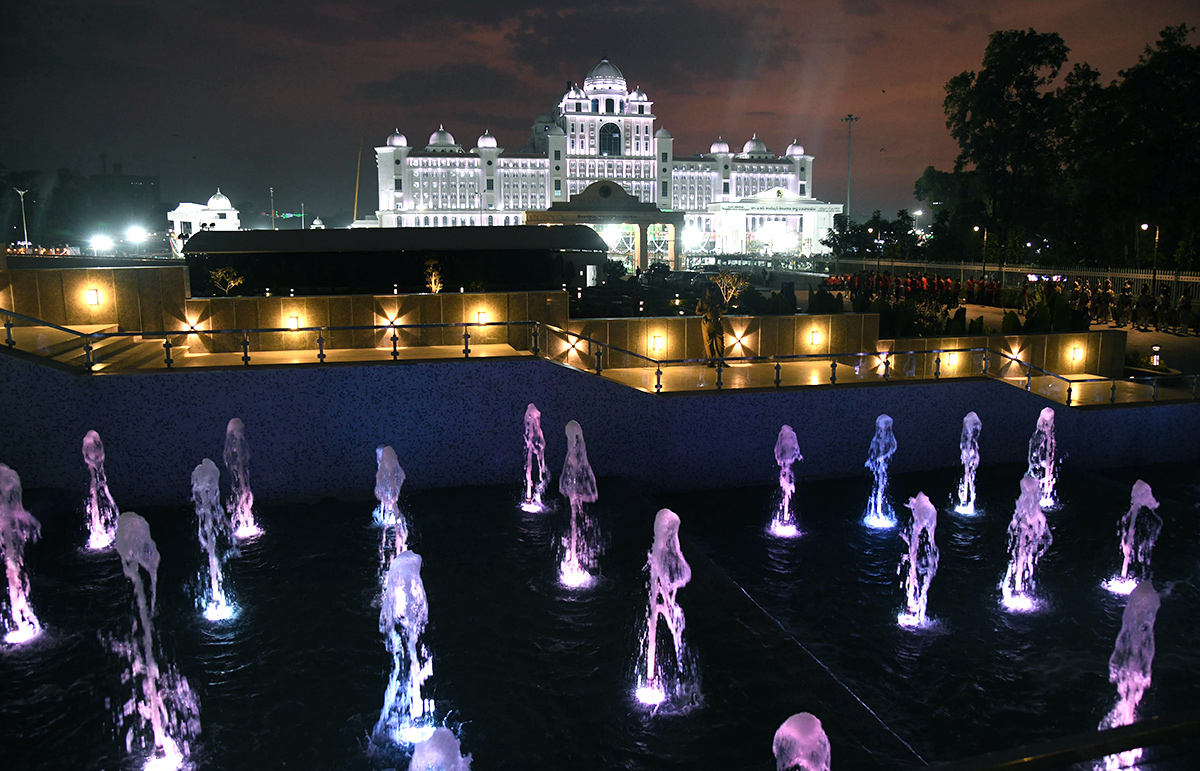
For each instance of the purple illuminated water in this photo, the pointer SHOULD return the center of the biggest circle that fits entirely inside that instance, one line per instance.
(17, 527)
(663, 673)
(406, 717)
(919, 563)
(580, 548)
(1138, 530)
(1131, 664)
(162, 716)
(801, 744)
(1042, 448)
(968, 450)
(389, 478)
(214, 532)
(879, 512)
(787, 452)
(100, 508)
(440, 752)
(536, 475)
(241, 498)
(1028, 538)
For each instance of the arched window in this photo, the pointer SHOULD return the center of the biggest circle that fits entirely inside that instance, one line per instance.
(426, 220)
(610, 139)
(506, 220)
(608, 105)
(490, 220)
(444, 221)
(595, 105)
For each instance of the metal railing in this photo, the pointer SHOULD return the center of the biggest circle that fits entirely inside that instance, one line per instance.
(587, 353)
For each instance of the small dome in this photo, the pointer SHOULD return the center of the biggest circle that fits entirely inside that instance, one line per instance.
(576, 93)
(441, 137)
(485, 140)
(795, 148)
(219, 201)
(556, 131)
(720, 146)
(662, 134)
(754, 145)
(638, 95)
(397, 139)
(317, 224)
(605, 75)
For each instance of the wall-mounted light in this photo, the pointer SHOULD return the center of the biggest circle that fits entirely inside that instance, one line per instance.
(481, 317)
(1076, 353)
(951, 359)
(737, 339)
(191, 326)
(293, 323)
(814, 337)
(656, 343)
(92, 297)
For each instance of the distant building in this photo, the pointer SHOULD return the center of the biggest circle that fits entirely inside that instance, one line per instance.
(748, 201)
(217, 214)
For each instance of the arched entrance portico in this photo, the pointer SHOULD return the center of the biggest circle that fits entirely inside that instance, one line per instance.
(605, 203)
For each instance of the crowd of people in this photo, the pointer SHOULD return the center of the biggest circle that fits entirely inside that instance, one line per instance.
(946, 290)
(1108, 306)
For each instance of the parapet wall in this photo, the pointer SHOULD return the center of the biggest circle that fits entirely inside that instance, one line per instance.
(313, 430)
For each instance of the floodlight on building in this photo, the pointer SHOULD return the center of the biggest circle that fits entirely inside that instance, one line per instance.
(92, 296)
(656, 343)
(814, 337)
(293, 323)
(1076, 353)
(481, 317)
(951, 359)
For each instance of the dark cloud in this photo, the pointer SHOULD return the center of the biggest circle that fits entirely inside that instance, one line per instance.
(455, 83)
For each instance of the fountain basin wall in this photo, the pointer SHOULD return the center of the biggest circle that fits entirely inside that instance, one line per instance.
(313, 430)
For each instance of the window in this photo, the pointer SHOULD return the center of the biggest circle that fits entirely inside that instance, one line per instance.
(491, 184)
(595, 105)
(610, 139)
(664, 155)
(608, 105)
(221, 216)
(558, 155)
(726, 187)
(641, 109)
(558, 187)
(490, 220)
(666, 191)
(427, 221)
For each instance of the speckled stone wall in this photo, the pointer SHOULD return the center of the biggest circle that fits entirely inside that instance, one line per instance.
(313, 430)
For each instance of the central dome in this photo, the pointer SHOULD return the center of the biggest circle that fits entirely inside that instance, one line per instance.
(604, 75)
(219, 201)
(755, 146)
(441, 138)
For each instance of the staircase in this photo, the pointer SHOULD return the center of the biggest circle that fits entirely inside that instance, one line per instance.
(123, 353)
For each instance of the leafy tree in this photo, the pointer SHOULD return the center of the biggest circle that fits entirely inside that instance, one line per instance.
(730, 284)
(433, 276)
(226, 278)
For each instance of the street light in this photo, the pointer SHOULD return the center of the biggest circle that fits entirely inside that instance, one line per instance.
(983, 254)
(101, 244)
(137, 235)
(916, 221)
(1154, 265)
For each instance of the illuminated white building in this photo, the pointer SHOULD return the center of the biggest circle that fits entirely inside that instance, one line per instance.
(734, 202)
(217, 214)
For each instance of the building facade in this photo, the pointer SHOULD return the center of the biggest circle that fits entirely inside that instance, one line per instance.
(733, 202)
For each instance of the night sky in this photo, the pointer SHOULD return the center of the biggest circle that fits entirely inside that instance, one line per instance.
(245, 95)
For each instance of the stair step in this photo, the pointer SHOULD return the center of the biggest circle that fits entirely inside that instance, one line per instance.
(102, 350)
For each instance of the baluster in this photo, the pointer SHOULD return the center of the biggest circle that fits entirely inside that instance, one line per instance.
(986, 351)
(466, 343)
(599, 360)
(167, 346)
(245, 348)
(1068, 393)
(833, 372)
(1028, 377)
(395, 345)
(535, 341)
(658, 379)
(887, 367)
(937, 365)
(720, 366)
(1112, 394)
(321, 346)
(87, 353)
(8, 331)
(777, 378)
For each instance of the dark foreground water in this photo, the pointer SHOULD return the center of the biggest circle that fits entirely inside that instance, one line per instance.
(532, 676)
(980, 678)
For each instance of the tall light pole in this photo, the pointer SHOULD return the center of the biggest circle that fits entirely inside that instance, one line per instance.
(24, 226)
(849, 120)
(1154, 265)
(272, 208)
(983, 253)
(302, 215)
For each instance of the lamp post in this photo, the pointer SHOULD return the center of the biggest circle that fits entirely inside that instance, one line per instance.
(1154, 265)
(272, 208)
(24, 226)
(983, 254)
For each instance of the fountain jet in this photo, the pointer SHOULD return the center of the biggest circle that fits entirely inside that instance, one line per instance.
(241, 498)
(787, 452)
(1130, 665)
(162, 699)
(661, 677)
(440, 752)
(17, 527)
(389, 478)
(879, 513)
(213, 529)
(578, 484)
(406, 717)
(536, 475)
(1042, 467)
(1028, 538)
(968, 449)
(1138, 533)
(919, 564)
(101, 509)
(801, 744)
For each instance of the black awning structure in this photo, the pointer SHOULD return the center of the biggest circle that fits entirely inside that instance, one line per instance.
(383, 260)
